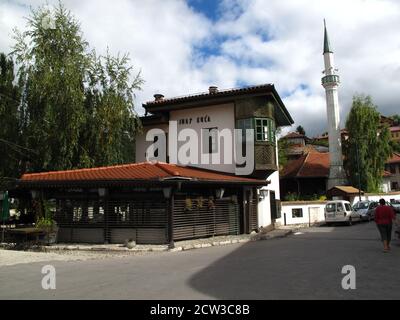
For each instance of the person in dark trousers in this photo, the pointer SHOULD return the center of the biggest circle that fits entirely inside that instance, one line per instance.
(384, 215)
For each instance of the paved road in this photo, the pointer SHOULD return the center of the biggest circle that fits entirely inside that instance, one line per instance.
(304, 266)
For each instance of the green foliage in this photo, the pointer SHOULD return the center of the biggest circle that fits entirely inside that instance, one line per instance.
(77, 108)
(292, 197)
(9, 129)
(313, 197)
(396, 118)
(44, 223)
(368, 146)
(395, 145)
(283, 146)
(323, 143)
(44, 214)
(300, 130)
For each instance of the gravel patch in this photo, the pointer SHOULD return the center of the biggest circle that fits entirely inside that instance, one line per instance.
(13, 257)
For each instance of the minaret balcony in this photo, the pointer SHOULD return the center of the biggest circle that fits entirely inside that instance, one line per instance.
(330, 79)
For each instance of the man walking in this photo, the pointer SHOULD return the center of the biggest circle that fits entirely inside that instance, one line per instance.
(384, 215)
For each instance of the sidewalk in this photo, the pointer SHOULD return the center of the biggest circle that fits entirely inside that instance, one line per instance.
(178, 245)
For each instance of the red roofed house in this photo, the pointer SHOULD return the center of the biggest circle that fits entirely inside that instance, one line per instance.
(395, 133)
(307, 175)
(163, 198)
(393, 167)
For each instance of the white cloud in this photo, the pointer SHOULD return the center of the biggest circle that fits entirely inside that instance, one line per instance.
(252, 42)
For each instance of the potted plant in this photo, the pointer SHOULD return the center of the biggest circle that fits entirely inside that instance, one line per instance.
(50, 229)
(47, 224)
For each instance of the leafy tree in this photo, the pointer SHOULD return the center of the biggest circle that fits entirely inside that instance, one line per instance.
(300, 130)
(52, 63)
(9, 126)
(283, 147)
(368, 146)
(396, 118)
(395, 145)
(77, 109)
(112, 120)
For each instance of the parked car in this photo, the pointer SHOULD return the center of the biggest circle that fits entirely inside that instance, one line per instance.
(340, 211)
(366, 209)
(396, 206)
(393, 205)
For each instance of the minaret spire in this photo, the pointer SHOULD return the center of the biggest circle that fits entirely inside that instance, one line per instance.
(327, 45)
(330, 82)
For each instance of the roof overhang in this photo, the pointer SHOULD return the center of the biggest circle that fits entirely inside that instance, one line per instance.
(26, 184)
(283, 117)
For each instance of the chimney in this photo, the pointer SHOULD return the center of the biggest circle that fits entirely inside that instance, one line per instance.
(213, 89)
(158, 97)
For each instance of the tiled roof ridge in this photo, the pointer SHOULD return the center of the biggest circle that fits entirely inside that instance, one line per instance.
(302, 166)
(164, 167)
(85, 169)
(125, 165)
(207, 93)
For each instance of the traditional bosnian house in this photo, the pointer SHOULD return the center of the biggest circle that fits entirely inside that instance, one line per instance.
(212, 117)
(393, 167)
(187, 182)
(307, 175)
(298, 145)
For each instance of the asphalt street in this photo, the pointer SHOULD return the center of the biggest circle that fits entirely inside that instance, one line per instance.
(301, 266)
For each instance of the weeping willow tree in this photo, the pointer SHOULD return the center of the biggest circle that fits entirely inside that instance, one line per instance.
(368, 146)
(77, 108)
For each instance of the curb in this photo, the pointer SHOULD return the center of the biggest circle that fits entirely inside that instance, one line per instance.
(178, 248)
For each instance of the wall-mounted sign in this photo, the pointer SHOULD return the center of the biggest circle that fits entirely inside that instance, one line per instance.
(203, 119)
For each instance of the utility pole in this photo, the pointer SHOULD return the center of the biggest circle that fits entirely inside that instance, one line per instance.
(358, 172)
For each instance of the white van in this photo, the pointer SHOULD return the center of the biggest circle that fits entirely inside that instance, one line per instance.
(340, 211)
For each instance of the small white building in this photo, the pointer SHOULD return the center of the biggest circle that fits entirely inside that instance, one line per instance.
(302, 212)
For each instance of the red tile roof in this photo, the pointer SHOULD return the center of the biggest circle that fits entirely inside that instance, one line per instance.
(394, 129)
(292, 135)
(219, 93)
(313, 164)
(149, 171)
(316, 164)
(386, 173)
(395, 158)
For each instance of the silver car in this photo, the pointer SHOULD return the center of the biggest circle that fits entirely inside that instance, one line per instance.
(340, 211)
(366, 209)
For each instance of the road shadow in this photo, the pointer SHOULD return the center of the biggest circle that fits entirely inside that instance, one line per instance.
(296, 268)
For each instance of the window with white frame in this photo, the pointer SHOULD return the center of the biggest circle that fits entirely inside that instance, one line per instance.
(264, 128)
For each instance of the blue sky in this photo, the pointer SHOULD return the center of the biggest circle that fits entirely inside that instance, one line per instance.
(210, 8)
(183, 47)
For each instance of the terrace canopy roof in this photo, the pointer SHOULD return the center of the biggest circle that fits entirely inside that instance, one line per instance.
(133, 174)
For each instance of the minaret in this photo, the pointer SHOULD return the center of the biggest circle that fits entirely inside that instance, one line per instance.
(330, 82)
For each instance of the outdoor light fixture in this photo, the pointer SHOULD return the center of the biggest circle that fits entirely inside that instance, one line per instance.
(263, 194)
(219, 193)
(102, 192)
(167, 192)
